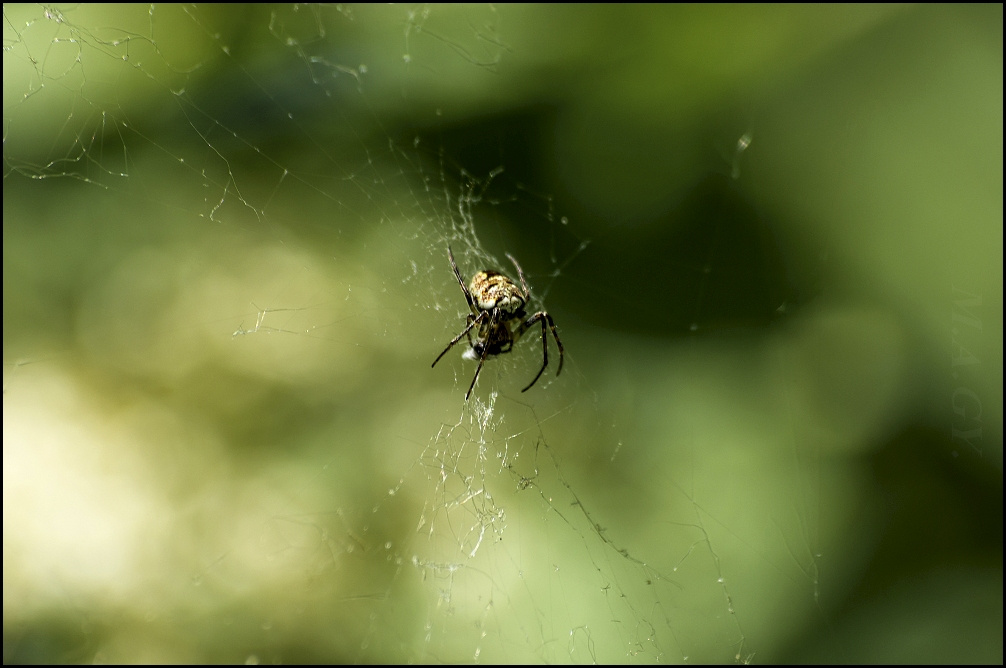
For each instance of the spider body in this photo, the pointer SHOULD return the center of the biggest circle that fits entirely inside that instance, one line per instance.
(492, 290)
(498, 307)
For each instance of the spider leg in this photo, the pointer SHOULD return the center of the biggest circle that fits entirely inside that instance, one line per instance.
(471, 323)
(520, 272)
(542, 317)
(558, 342)
(482, 359)
(464, 289)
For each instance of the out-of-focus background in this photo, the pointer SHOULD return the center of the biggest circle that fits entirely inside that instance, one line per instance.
(771, 241)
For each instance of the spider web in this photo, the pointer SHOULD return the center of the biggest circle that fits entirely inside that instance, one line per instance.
(370, 513)
(223, 439)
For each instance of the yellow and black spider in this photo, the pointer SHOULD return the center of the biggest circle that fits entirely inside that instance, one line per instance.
(497, 306)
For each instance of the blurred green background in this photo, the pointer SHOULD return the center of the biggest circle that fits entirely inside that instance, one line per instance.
(771, 238)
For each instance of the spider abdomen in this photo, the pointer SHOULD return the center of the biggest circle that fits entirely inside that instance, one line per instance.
(493, 290)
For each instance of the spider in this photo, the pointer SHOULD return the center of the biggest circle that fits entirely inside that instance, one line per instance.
(497, 307)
